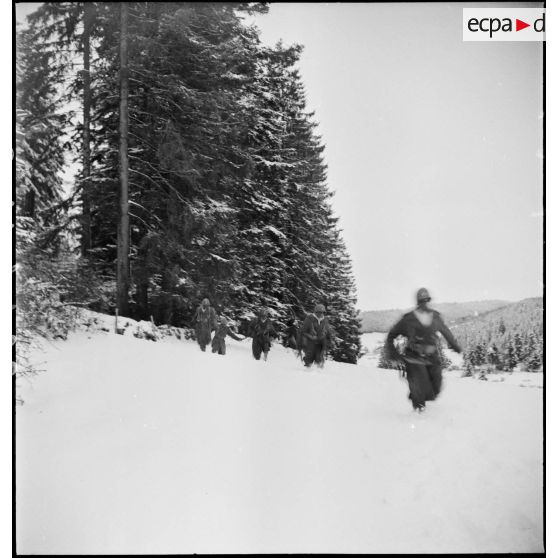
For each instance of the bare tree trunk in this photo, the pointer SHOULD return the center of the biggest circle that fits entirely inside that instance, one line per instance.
(123, 243)
(86, 185)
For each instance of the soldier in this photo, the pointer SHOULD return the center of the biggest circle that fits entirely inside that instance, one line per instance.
(261, 330)
(218, 344)
(316, 333)
(422, 359)
(291, 335)
(205, 323)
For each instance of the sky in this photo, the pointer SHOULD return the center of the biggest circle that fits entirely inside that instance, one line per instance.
(23, 9)
(433, 145)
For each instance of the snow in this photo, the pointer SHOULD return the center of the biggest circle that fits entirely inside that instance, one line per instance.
(218, 258)
(129, 446)
(372, 342)
(275, 231)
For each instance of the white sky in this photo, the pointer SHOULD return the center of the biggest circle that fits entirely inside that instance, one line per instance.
(434, 147)
(23, 9)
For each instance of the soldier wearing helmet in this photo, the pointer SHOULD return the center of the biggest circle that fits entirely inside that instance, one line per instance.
(261, 330)
(316, 334)
(205, 322)
(218, 344)
(421, 360)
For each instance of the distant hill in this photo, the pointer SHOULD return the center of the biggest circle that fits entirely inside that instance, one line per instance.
(453, 312)
(505, 337)
(523, 317)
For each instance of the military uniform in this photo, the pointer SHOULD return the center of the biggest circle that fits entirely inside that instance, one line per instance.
(205, 323)
(422, 359)
(261, 330)
(315, 335)
(218, 344)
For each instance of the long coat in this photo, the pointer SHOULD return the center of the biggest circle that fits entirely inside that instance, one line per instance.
(315, 336)
(421, 339)
(206, 322)
(422, 357)
(261, 332)
(218, 344)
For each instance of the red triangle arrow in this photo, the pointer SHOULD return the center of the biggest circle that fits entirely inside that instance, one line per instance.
(519, 25)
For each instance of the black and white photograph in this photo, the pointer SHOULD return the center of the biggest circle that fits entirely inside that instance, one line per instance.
(279, 278)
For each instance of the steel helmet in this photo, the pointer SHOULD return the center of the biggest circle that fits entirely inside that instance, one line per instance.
(423, 295)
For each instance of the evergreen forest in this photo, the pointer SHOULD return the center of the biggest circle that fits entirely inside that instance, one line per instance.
(198, 171)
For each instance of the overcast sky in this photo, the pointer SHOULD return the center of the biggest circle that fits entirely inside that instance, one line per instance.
(434, 147)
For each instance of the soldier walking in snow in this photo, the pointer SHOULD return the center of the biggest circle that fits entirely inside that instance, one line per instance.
(218, 344)
(421, 359)
(290, 335)
(261, 330)
(205, 322)
(315, 335)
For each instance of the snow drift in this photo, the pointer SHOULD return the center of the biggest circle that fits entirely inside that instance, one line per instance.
(129, 446)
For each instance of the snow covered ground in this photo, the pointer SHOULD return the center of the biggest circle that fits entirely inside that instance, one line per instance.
(124, 445)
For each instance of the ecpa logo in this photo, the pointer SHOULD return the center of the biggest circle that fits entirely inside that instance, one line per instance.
(503, 24)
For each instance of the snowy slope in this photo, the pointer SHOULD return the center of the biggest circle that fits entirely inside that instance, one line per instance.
(129, 446)
(372, 342)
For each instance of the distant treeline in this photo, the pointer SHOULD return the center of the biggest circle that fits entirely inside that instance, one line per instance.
(383, 320)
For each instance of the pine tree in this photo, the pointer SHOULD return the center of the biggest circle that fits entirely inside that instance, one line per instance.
(123, 250)
(88, 15)
(468, 363)
(479, 355)
(493, 356)
(533, 353)
(518, 347)
(510, 359)
(39, 149)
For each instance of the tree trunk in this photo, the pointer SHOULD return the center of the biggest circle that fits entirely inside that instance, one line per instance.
(29, 204)
(86, 185)
(123, 243)
(142, 299)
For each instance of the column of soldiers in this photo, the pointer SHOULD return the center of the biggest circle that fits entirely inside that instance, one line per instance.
(311, 339)
(419, 362)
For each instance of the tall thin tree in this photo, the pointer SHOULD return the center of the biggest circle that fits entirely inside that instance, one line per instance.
(86, 183)
(123, 242)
